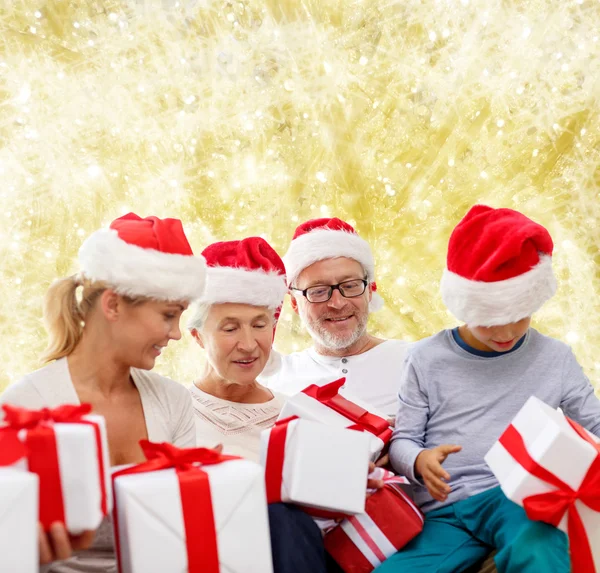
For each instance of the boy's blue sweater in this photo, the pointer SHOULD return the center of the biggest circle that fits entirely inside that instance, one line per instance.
(449, 395)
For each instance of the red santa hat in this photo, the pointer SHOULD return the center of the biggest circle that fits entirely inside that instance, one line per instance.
(329, 238)
(148, 257)
(247, 271)
(499, 267)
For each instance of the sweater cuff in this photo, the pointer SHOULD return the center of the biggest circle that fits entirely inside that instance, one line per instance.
(403, 454)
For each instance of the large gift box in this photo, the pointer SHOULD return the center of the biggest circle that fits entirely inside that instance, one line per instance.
(67, 449)
(550, 465)
(193, 511)
(317, 466)
(18, 511)
(326, 405)
(361, 543)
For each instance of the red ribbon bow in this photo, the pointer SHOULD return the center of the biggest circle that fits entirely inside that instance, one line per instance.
(196, 500)
(42, 454)
(552, 506)
(363, 419)
(11, 449)
(24, 419)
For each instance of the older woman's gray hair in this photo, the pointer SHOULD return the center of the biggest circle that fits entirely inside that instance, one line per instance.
(199, 316)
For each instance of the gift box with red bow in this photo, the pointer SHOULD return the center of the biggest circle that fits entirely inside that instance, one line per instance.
(18, 511)
(550, 465)
(67, 449)
(320, 467)
(326, 405)
(191, 510)
(361, 543)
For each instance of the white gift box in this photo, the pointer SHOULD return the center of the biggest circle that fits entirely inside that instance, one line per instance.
(324, 467)
(306, 407)
(18, 521)
(151, 528)
(79, 468)
(554, 444)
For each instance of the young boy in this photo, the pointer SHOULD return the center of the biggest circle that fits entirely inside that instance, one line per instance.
(462, 387)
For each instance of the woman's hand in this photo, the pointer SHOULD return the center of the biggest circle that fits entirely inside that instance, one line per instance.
(429, 466)
(57, 544)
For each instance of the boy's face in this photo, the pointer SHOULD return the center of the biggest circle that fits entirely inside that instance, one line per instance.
(500, 338)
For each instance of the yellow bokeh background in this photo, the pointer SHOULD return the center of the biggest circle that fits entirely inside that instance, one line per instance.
(246, 117)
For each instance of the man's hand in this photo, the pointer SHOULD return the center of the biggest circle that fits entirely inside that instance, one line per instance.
(429, 466)
(373, 483)
(57, 544)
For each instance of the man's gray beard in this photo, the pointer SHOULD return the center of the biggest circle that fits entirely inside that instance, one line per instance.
(331, 341)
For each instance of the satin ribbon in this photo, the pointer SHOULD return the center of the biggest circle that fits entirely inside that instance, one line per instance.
(276, 458)
(11, 449)
(196, 500)
(552, 506)
(42, 453)
(363, 420)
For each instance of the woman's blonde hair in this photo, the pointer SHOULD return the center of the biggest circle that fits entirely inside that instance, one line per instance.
(65, 311)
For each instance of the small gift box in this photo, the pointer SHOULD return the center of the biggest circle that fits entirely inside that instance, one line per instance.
(18, 511)
(191, 510)
(326, 405)
(361, 543)
(317, 466)
(550, 465)
(67, 449)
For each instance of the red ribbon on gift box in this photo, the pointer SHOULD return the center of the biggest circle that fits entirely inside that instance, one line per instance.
(276, 458)
(363, 420)
(551, 507)
(196, 499)
(42, 455)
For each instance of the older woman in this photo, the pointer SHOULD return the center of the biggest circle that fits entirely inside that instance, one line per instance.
(136, 279)
(234, 323)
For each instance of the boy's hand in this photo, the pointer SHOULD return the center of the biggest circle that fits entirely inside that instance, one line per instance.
(429, 466)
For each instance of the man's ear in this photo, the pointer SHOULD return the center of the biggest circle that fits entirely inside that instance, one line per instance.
(294, 303)
(198, 337)
(111, 305)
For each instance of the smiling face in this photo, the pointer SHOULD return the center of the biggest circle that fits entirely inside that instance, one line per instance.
(237, 339)
(340, 322)
(497, 338)
(142, 330)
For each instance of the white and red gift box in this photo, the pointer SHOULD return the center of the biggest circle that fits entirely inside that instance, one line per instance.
(550, 465)
(326, 405)
(191, 510)
(361, 543)
(320, 467)
(67, 449)
(18, 512)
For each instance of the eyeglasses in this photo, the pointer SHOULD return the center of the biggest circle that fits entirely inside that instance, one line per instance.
(322, 293)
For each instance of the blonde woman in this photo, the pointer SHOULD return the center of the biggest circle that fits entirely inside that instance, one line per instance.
(107, 326)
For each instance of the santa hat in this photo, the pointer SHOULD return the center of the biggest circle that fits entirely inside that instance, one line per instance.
(499, 267)
(247, 271)
(329, 238)
(148, 257)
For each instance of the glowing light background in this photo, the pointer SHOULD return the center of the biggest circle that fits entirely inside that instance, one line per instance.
(247, 117)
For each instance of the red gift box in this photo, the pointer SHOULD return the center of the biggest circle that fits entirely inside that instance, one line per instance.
(362, 542)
